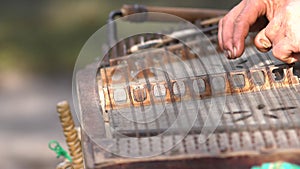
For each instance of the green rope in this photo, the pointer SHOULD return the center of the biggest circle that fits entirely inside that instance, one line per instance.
(277, 165)
(54, 145)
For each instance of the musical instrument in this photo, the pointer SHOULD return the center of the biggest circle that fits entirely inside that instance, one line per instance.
(171, 99)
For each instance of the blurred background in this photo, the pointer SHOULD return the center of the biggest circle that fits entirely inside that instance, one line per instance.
(39, 43)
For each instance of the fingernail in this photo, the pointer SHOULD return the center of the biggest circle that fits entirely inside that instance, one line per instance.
(234, 51)
(293, 60)
(265, 43)
(228, 53)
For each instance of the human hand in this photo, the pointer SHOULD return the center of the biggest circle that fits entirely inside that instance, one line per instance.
(282, 33)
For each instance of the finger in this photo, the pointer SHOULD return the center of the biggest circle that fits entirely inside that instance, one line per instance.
(285, 51)
(274, 29)
(227, 28)
(220, 40)
(247, 17)
(261, 42)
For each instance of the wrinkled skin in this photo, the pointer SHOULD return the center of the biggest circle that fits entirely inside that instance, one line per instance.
(281, 32)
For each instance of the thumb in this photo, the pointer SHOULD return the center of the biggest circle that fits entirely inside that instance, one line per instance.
(261, 42)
